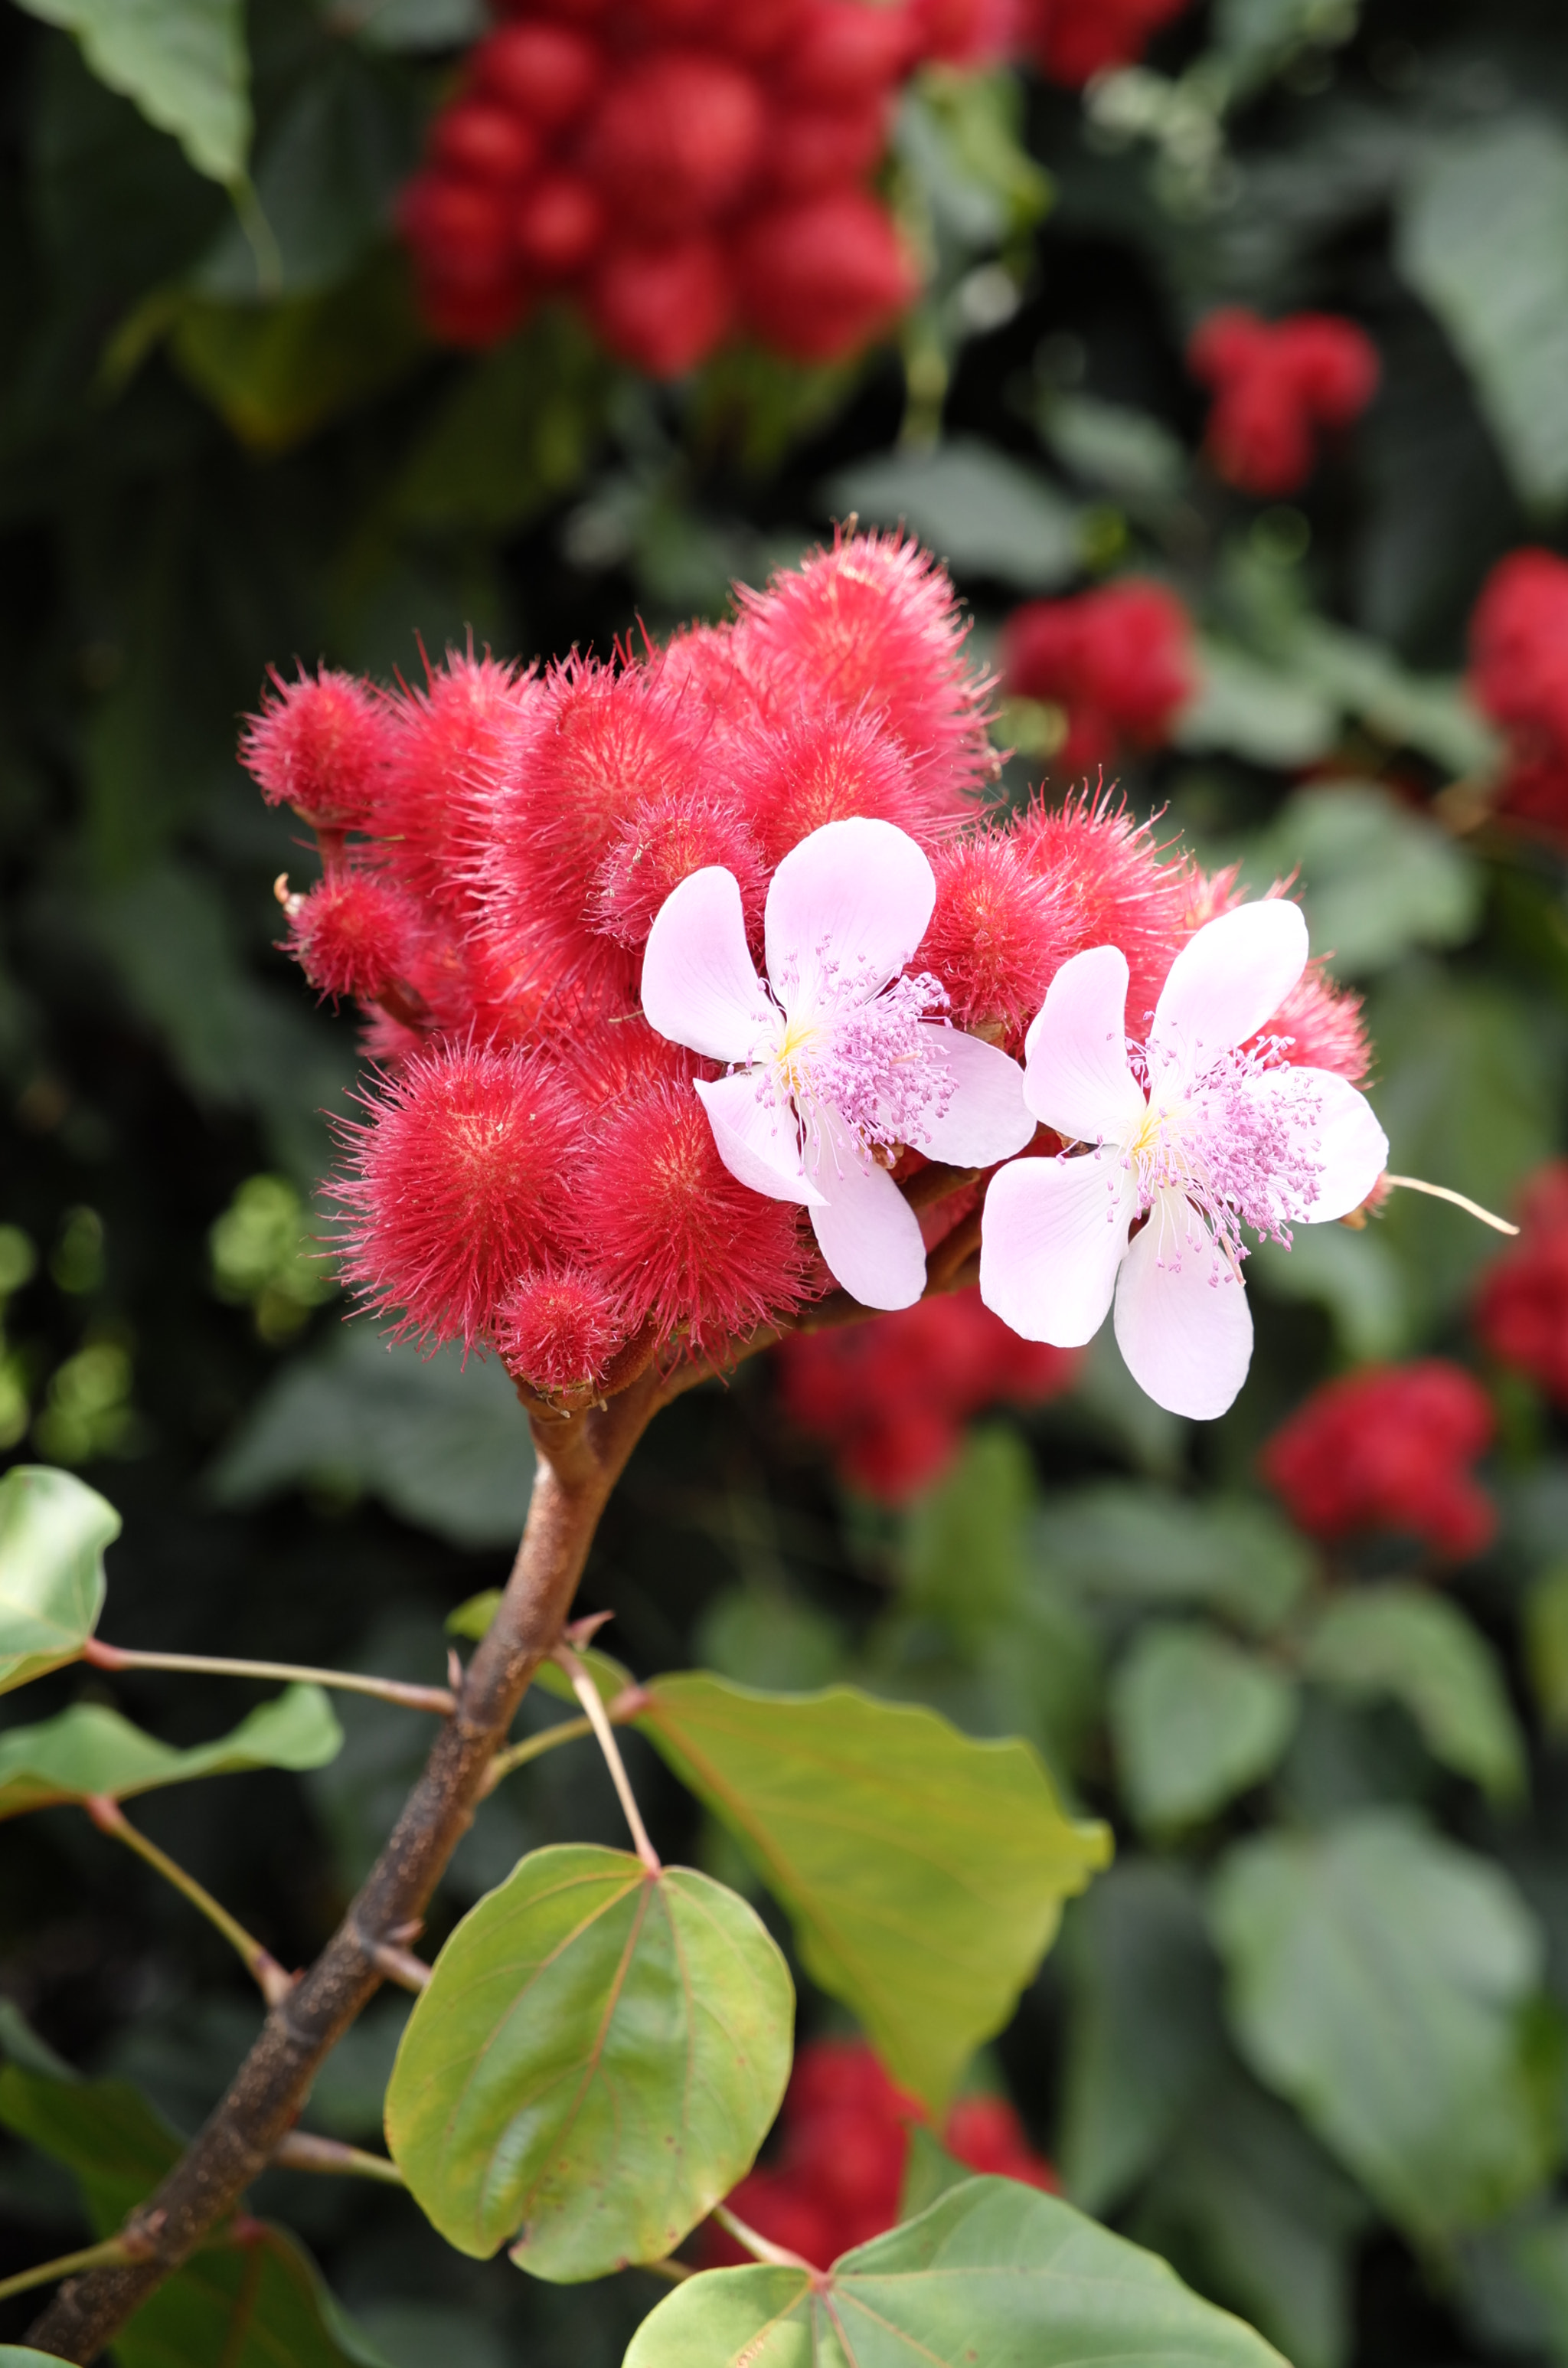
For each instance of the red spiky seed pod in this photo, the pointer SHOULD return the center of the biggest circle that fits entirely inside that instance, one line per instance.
(1519, 676)
(845, 50)
(353, 934)
(484, 142)
(319, 745)
(546, 73)
(558, 1327)
(813, 148)
(1112, 888)
(827, 765)
(996, 934)
(675, 140)
(818, 279)
(1073, 40)
(457, 1186)
(559, 224)
(663, 308)
(874, 624)
(1119, 660)
(684, 1245)
(452, 745)
(1322, 1026)
(658, 848)
(1389, 1447)
(1275, 385)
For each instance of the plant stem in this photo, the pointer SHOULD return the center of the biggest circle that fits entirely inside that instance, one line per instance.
(533, 1747)
(341, 1682)
(581, 1456)
(113, 2249)
(302, 2150)
(762, 2247)
(260, 1964)
(587, 1694)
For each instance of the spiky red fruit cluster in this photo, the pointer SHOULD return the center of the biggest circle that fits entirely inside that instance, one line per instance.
(1519, 676)
(1119, 660)
(683, 172)
(839, 2171)
(1072, 40)
(1521, 1307)
(1275, 384)
(890, 1398)
(1389, 1448)
(534, 1174)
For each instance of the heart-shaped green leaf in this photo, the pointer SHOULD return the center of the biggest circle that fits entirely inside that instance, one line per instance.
(53, 1532)
(597, 2059)
(90, 1749)
(924, 1871)
(993, 2275)
(1196, 1719)
(1419, 1648)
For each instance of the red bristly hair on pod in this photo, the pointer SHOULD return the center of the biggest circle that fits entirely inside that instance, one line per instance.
(613, 744)
(1389, 1447)
(1113, 890)
(558, 1327)
(672, 1231)
(452, 745)
(1118, 660)
(353, 934)
(874, 624)
(657, 848)
(704, 668)
(996, 933)
(1321, 1027)
(319, 745)
(457, 1186)
(825, 766)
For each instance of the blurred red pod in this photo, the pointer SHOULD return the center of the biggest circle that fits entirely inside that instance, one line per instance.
(663, 308)
(461, 231)
(816, 148)
(570, 12)
(846, 48)
(548, 73)
(463, 313)
(483, 141)
(965, 32)
(677, 19)
(677, 138)
(816, 280)
(762, 29)
(558, 225)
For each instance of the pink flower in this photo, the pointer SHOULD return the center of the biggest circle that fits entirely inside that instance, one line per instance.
(836, 1059)
(1190, 1133)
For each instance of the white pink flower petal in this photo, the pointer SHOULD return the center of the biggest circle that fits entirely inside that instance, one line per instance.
(1182, 1320)
(845, 910)
(1053, 1236)
(699, 985)
(1227, 981)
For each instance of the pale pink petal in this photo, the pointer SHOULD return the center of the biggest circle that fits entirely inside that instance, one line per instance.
(865, 1228)
(1340, 1149)
(846, 911)
(756, 1137)
(1182, 1320)
(1052, 1235)
(699, 985)
(986, 1118)
(1076, 1077)
(1226, 980)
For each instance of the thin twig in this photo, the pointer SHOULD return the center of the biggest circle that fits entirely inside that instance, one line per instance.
(588, 1694)
(763, 2247)
(302, 2150)
(400, 1966)
(534, 1746)
(260, 1964)
(91, 2257)
(342, 1681)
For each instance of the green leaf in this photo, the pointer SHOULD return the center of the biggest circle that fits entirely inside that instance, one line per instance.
(1379, 1979)
(981, 512)
(518, 432)
(17, 2355)
(1133, 1542)
(277, 372)
(182, 63)
(923, 1872)
(1354, 1276)
(1145, 2034)
(1546, 1645)
(1483, 238)
(445, 1444)
(1413, 1645)
(53, 1532)
(1430, 713)
(251, 2303)
(598, 2055)
(1196, 1720)
(1376, 878)
(1254, 711)
(475, 1616)
(90, 1749)
(419, 24)
(992, 2272)
(1131, 453)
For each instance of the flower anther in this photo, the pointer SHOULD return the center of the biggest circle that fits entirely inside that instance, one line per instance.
(841, 1055)
(1174, 1145)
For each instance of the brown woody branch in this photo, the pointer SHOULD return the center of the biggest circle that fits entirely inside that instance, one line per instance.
(582, 1453)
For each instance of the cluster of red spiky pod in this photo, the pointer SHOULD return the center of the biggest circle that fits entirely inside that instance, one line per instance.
(534, 1174)
(1120, 661)
(1389, 1448)
(1521, 1306)
(1519, 676)
(890, 1398)
(844, 2144)
(1275, 384)
(683, 170)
